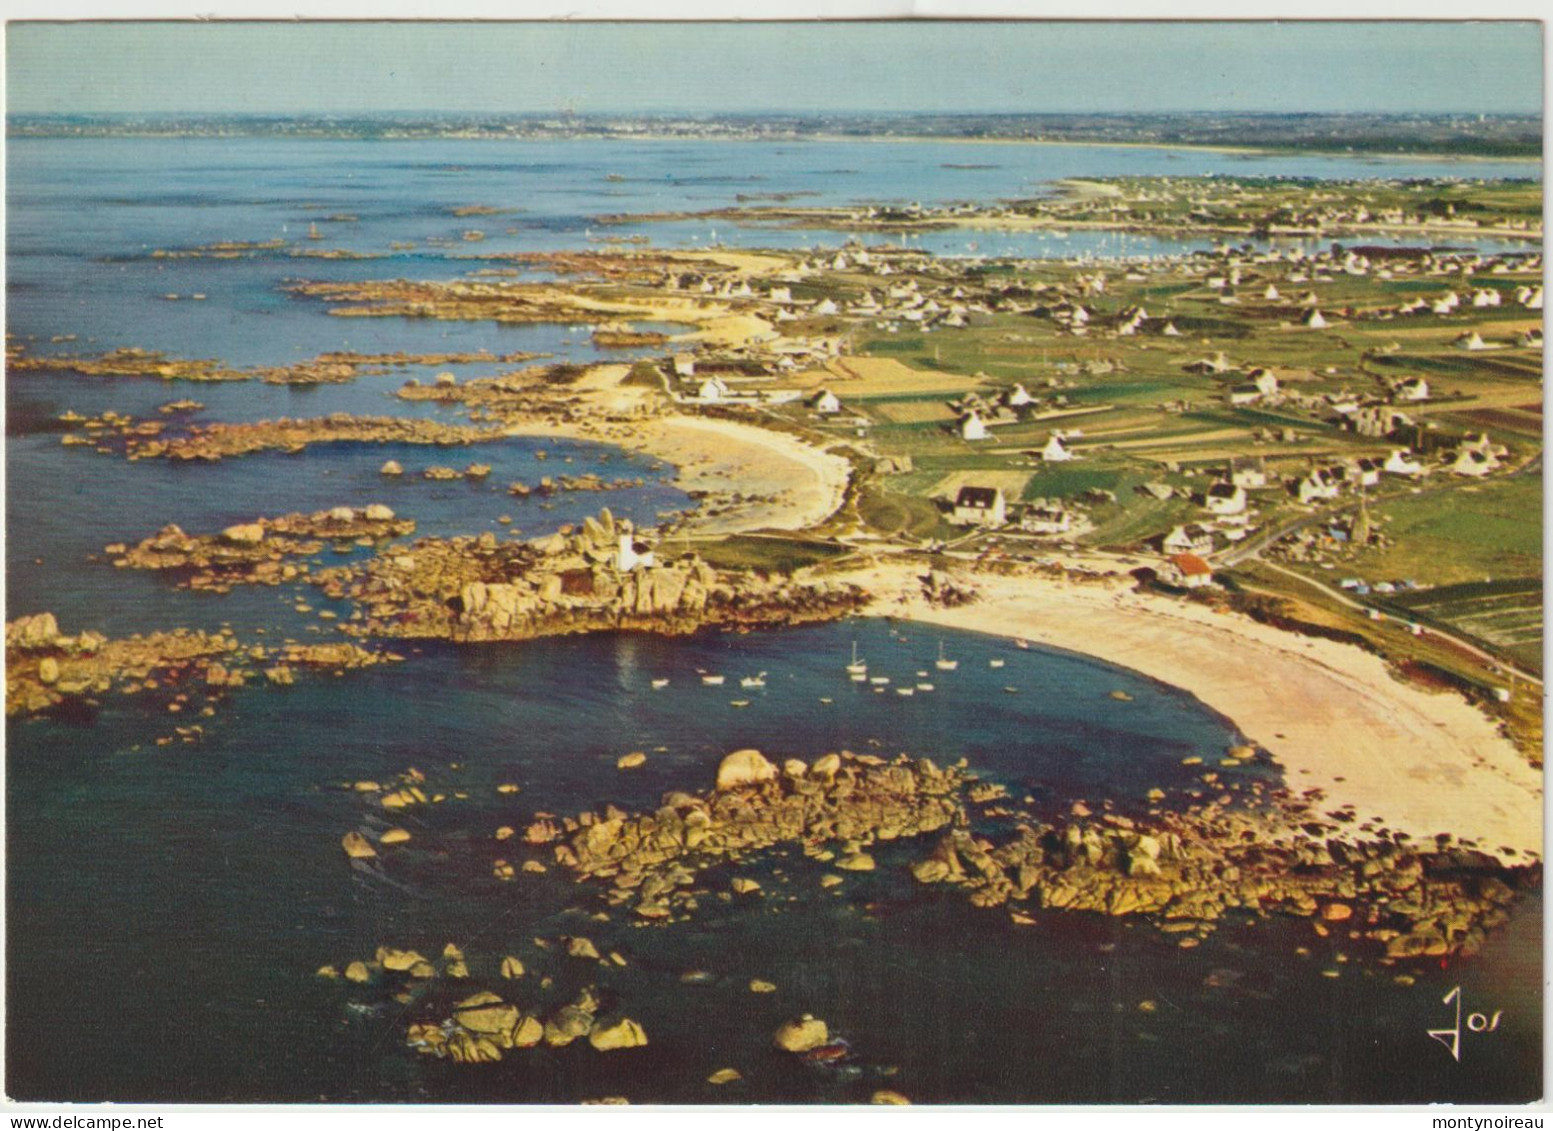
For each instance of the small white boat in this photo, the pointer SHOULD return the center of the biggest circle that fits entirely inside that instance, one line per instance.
(712, 680)
(1022, 644)
(924, 687)
(944, 665)
(823, 699)
(753, 680)
(905, 691)
(1012, 690)
(859, 677)
(879, 680)
(857, 667)
(659, 684)
(922, 675)
(994, 663)
(738, 702)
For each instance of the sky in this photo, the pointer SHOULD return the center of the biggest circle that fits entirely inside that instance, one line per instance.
(796, 67)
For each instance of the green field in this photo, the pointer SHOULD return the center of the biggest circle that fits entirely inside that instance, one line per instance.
(1475, 532)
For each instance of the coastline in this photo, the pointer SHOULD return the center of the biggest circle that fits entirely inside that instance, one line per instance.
(1331, 715)
(834, 139)
(795, 485)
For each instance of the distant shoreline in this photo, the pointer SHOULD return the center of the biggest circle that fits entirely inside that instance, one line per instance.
(1534, 160)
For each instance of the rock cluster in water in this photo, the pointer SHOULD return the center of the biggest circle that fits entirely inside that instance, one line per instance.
(652, 860)
(45, 669)
(476, 589)
(221, 440)
(482, 1026)
(255, 552)
(325, 369)
(1183, 871)
(1187, 871)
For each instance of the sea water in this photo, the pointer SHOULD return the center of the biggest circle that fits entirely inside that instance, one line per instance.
(168, 905)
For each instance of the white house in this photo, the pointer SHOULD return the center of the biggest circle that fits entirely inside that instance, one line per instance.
(1248, 472)
(712, 390)
(825, 402)
(1189, 539)
(972, 427)
(1316, 486)
(633, 555)
(684, 365)
(1055, 450)
(1225, 499)
(1265, 381)
(1470, 341)
(1400, 462)
(1411, 389)
(1048, 519)
(1238, 395)
(1314, 320)
(1474, 462)
(1017, 396)
(1187, 571)
(980, 506)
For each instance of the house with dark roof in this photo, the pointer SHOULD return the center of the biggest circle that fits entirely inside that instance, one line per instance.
(1189, 539)
(1225, 499)
(979, 506)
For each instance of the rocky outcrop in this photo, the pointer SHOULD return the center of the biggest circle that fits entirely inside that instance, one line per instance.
(255, 553)
(475, 589)
(45, 669)
(325, 369)
(484, 1026)
(1187, 871)
(651, 860)
(1182, 871)
(220, 441)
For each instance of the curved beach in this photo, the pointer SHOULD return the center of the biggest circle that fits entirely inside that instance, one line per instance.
(1330, 714)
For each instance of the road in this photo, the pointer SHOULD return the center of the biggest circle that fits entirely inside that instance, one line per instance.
(1465, 645)
(1254, 546)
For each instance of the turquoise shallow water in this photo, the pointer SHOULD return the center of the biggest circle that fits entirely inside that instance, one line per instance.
(167, 906)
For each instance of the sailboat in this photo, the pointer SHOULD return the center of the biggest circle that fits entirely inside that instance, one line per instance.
(857, 667)
(313, 233)
(659, 684)
(944, 665)
(753, 680)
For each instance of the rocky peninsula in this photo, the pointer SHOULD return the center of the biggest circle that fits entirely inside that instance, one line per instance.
(588, 579)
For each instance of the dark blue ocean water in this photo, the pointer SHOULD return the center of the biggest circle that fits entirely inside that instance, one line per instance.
(167, 905)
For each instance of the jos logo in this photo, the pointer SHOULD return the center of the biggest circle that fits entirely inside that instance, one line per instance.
(1476, 1023)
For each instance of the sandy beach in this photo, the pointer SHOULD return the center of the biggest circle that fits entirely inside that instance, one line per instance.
(1330, 714)
(784, 483)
